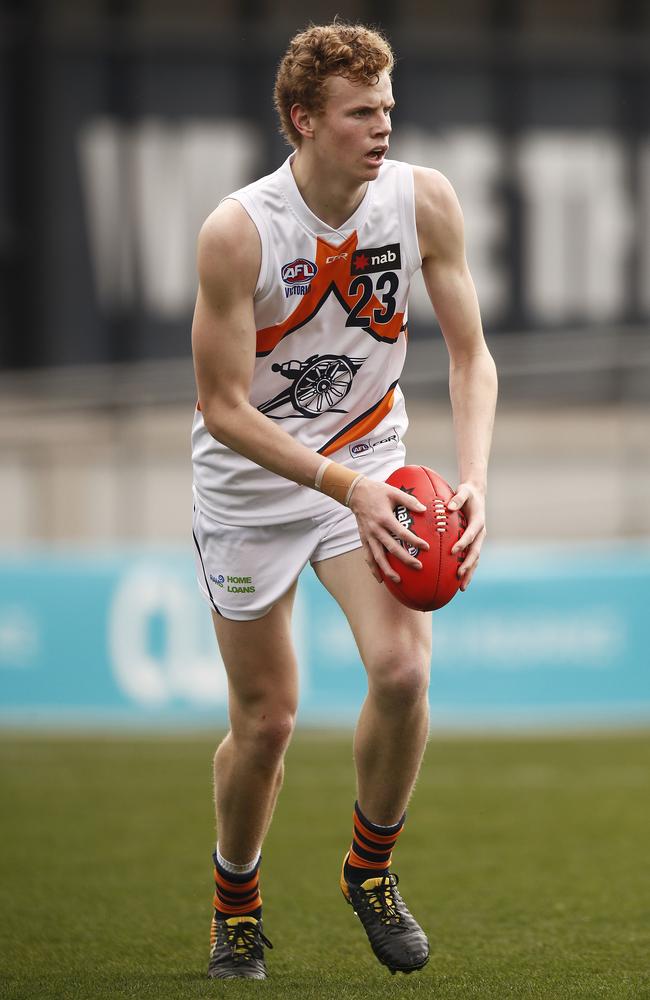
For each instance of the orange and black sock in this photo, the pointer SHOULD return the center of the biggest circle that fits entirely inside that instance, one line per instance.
(237, 894)
(371, 850)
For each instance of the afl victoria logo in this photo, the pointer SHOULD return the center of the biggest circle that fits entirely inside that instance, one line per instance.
(299, 271)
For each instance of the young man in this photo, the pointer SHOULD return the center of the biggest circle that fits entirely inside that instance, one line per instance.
(299, 338)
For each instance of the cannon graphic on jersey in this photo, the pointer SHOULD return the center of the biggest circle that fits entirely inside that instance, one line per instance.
(318, 384)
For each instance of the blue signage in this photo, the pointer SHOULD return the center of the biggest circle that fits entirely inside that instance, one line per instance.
(541, 637)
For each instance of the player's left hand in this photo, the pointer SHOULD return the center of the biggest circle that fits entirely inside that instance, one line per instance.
(471, 499)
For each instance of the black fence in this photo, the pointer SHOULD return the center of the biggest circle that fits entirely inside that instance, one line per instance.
(123, 123)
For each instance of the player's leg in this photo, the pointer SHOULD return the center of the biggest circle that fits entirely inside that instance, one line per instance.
(248, 576)
(395, 645)
(262, 699)
(248, 768)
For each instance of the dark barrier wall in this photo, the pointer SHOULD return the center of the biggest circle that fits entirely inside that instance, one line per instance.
(122, 124)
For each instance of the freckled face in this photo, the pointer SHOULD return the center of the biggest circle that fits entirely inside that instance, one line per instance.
(351, 135)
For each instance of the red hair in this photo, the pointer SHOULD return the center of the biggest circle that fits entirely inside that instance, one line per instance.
(353, 51)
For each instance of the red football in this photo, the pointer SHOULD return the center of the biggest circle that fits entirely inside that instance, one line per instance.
(434, 585)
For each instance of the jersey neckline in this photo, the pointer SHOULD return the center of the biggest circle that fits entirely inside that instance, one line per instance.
(310, 221)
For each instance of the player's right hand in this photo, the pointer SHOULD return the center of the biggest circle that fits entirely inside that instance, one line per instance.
(373, 504)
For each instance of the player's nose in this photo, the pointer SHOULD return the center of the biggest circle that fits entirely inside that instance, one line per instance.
(383, 128)
(381, 122)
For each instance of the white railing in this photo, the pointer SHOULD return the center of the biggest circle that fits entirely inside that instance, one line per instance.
(101, 454)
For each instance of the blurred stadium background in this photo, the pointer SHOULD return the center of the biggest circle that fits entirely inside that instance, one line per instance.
(122, 123)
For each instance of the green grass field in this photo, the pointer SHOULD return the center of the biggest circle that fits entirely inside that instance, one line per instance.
(527, 860)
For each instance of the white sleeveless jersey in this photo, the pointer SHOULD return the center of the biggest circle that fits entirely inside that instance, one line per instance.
(331, 318)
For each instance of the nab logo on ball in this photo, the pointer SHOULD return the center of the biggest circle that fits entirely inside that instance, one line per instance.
(299, 271)
(404, 517)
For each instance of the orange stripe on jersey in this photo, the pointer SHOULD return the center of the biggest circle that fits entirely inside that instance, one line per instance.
(362, 426)
(333, 274)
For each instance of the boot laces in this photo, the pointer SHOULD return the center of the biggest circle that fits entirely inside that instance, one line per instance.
(245, 940)
(383, 899)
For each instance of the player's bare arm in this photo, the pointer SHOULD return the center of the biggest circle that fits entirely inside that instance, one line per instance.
(224, 344)
(472, 373)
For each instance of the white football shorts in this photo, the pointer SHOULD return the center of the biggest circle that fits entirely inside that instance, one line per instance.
(243, 571)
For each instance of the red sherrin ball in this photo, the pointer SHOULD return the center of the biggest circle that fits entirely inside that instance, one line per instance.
(434, 585)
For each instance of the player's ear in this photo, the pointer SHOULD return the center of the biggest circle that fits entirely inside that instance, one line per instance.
(302, 121)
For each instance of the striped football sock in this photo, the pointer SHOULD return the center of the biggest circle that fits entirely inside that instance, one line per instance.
(237, 891)
(371, 850)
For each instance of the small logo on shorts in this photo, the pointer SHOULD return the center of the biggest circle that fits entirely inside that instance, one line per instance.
(219, 580)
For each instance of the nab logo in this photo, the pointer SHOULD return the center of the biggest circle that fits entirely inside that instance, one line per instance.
(376, 259)
(406, 520)
(299, 271)
(404, 517)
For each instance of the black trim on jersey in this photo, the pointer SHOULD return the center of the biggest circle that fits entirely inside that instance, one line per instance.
(357, 419)
(264, 354)
(332, 287)
(198, 549)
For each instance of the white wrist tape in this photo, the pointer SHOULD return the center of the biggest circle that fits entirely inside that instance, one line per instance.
(321, 472)
(352, 487)
(336, 481)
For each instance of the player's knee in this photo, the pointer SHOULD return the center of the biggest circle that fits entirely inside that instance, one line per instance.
(268, 734)
(400, 678)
